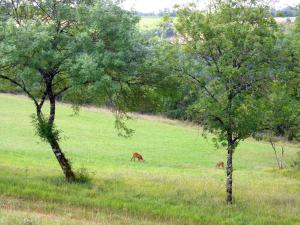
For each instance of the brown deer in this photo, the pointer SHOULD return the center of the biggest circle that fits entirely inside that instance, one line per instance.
(220, 165)
(138, 156)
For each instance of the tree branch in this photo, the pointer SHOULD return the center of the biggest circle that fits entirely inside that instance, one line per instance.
(15, 8)
(218, 119)
(241, 87)
(42, 99)
(204, 86)
(62, 91)
(22, 86)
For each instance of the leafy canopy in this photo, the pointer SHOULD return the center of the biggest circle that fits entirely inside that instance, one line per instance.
(235, 45)
(88, 48)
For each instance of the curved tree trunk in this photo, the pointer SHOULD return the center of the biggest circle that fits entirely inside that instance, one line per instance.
(63, 161)
(48, 78)
(61, 158)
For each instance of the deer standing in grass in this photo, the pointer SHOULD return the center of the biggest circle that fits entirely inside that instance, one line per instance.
(220, 165)
(138, 156)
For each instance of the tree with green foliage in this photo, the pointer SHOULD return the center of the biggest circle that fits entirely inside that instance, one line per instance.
(282, 118)
(234, 44)
(84, 48)
(291, 57)
(283, 111)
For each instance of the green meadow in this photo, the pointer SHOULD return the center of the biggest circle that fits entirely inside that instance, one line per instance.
(149, 22)
(177, 184)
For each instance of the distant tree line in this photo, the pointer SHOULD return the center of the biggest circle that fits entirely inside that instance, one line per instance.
(289, 11)
(160, 13)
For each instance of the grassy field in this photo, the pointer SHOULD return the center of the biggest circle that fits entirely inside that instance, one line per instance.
(178, 184)
(149, 22)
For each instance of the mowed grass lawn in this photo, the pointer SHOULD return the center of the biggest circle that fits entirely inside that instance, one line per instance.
(178, 184)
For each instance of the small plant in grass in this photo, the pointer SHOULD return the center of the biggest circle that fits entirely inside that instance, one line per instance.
(296, 162)
(83, 176)
(279, 153)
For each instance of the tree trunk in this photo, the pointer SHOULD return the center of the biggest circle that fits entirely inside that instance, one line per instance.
(63, 161)
(230, 147)
(229, 172)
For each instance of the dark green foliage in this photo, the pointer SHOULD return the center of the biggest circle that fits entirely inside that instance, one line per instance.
(282, 113)
(296, 162)
(177, 108)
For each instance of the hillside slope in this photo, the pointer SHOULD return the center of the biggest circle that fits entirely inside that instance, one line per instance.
(178, 183)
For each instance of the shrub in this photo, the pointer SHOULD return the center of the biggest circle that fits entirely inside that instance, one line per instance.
(296, 162)
(83, 176)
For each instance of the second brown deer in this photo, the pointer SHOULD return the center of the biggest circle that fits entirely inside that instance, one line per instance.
(220, 165)
(138, 156)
